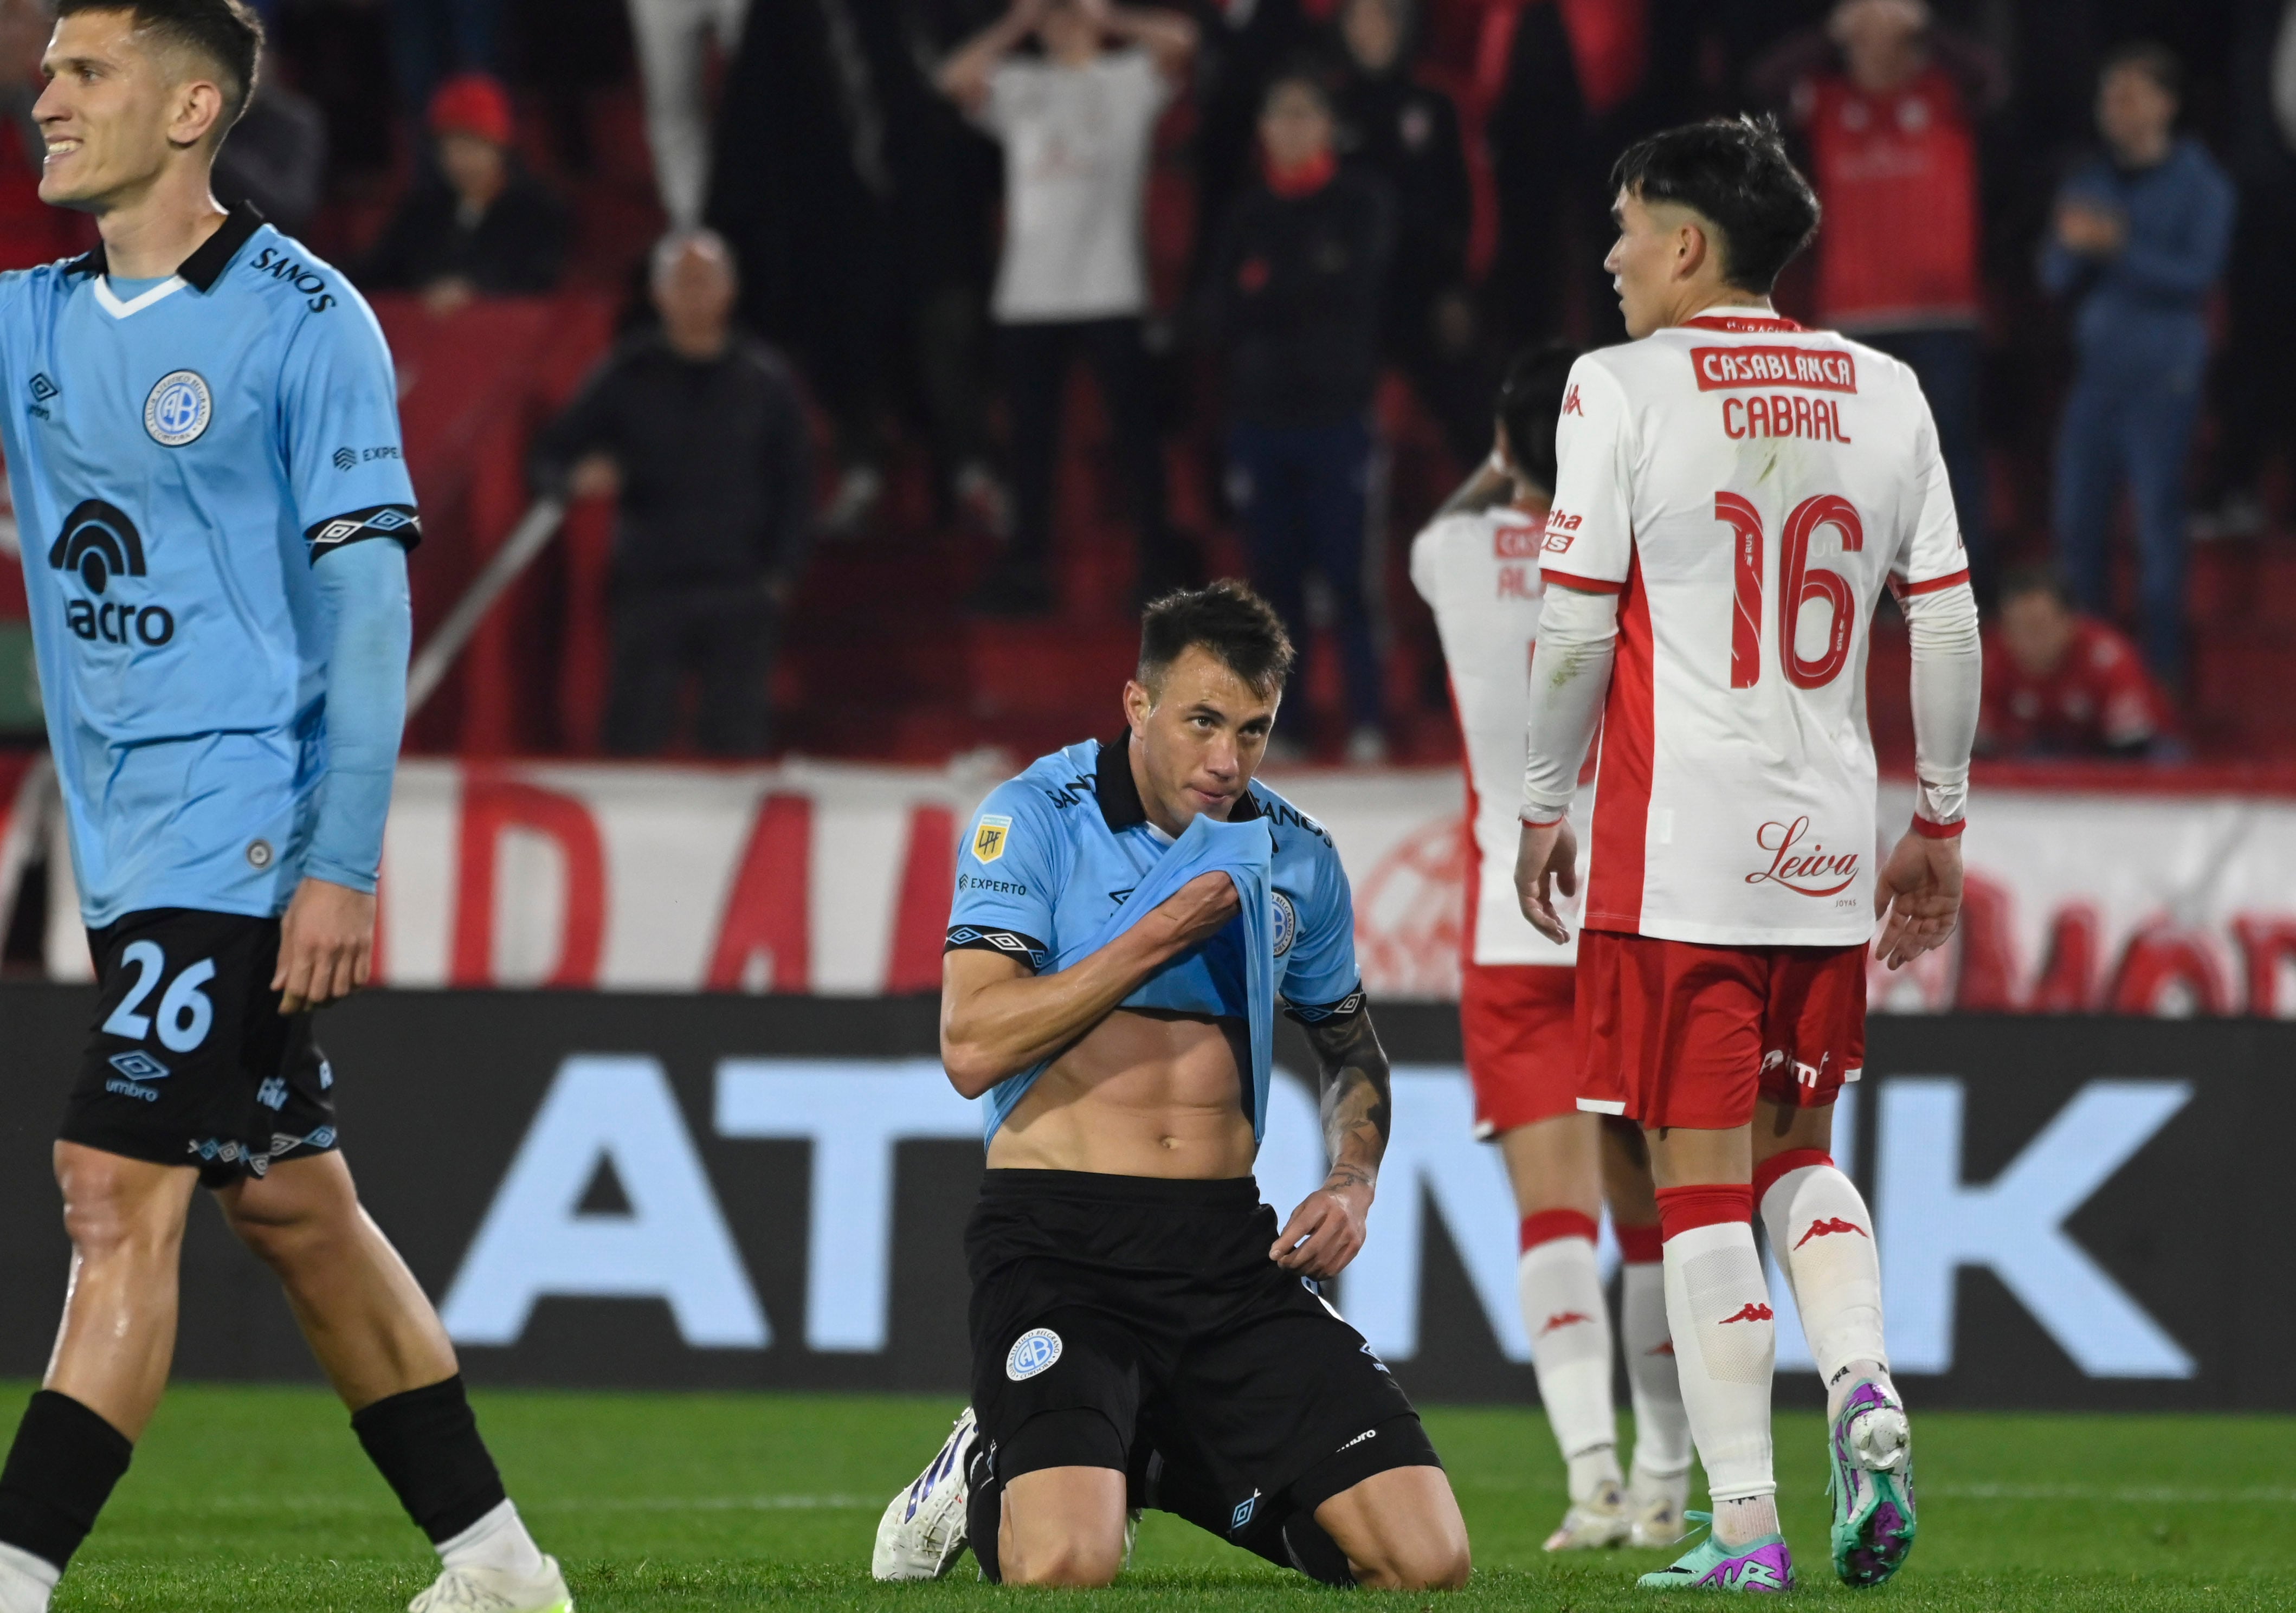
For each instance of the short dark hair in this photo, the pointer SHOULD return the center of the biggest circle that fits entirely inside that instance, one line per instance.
(2041, 578)
(227, 32)
(1227, 619)
(1528, 405)
(2154, 60)
(1312, 72)
(1735, 173)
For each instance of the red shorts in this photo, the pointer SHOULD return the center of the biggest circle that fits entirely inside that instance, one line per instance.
(1523, 1048)
(1677, 1034)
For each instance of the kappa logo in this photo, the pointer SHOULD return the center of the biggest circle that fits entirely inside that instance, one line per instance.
(1829, 1227)
(1033, 1352)
(991, 837)
(178, 408)
(1562, 1319)
(1752, 1312)
(1664, 1347)
(1570, 404)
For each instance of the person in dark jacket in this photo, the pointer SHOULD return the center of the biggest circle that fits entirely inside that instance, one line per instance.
(703, 431)
(491, 230)
(1406, 131)
(1295, 301)
(2137, 244)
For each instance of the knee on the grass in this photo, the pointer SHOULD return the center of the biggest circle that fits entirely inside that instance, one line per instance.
(1416, 1565)
(1075, 1560)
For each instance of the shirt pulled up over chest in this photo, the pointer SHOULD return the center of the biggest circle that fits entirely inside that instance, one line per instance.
(1063, 859)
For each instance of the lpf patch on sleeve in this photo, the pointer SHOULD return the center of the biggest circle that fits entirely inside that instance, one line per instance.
(989, 836)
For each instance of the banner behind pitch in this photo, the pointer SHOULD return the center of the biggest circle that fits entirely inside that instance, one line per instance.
(716, 1190)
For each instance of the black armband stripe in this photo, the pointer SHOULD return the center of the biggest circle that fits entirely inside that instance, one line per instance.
(356, 526)
(1319, 1014)
(1011, 943)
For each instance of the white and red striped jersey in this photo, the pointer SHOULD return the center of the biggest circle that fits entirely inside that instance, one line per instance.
(1747, 487)
(1479, 573)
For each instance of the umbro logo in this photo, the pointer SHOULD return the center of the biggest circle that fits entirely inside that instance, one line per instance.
(42, 389)
(1562, 1319)
(1827, 1228)
(1752, 1312)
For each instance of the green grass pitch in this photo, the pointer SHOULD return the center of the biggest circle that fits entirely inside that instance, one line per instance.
(248, 1499)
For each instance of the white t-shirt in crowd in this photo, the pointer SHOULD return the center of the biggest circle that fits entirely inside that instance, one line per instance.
(1076, 144)
(1479, 573)
(1747, 487)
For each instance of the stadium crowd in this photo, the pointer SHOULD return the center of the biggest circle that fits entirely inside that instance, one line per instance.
(1293, 243)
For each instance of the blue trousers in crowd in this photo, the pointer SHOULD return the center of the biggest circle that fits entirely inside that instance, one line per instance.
(1304, 494)
(2123, 422)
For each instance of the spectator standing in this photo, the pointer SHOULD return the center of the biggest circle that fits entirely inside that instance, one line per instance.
(1406, 132)
(673, 40)
(276, 154)
(1888, 102)
(490, 229)
(1295, 302)
(702, 433)
(434, 40)
(1077, 126)
(2137, 244)
(2059, 683)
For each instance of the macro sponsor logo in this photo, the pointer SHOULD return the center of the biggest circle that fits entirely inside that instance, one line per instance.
(302, 276)
(100, 544)
(1807, 871)
(1816, 368)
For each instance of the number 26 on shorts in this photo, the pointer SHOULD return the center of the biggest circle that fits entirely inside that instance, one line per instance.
(184, 1012)
(1799, 583)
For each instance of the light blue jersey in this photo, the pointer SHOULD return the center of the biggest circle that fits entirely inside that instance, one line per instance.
(181, 458)
(1056, 853)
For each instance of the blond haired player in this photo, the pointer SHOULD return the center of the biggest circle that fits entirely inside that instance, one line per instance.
(1734, 492)
(1476, 564)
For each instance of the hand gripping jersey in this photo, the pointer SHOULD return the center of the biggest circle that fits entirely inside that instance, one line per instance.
(1480, 574)
(1055, 854)
(179, 459)
(1747, 487)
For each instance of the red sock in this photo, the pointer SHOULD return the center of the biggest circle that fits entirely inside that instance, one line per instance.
(1547, 1225)
(1639, 1245)
(1682, 1209)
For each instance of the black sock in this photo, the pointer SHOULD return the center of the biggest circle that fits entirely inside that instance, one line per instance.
(984, 1511)
(426, 1444)
(60, 1473)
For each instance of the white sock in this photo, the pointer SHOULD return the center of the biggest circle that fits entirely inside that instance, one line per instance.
(1822, 1236)
(1662, 1427)
(1724, 1349)
(1568, 1321)
(497, 1541)
(25, 1580)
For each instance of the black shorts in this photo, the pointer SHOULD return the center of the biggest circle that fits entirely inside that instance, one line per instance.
(191, 1062)
(1138, 1324)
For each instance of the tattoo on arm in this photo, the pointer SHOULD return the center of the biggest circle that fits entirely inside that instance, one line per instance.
(1357, 1108)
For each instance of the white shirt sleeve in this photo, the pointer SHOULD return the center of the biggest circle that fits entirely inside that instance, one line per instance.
(1932, 557)
(1948, 683)
(1570, 676)
(1590, 531)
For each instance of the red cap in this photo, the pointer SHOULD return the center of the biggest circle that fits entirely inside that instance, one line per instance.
(471, 103)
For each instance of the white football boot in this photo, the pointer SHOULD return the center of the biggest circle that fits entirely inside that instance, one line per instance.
(1656, 1503)
(1590, 1525)
(475, 1590)
(921, 1533)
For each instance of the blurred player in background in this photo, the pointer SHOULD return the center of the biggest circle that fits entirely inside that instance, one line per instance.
(1734, 492)
(221, 622)
(1477, 567)
(1127, 914)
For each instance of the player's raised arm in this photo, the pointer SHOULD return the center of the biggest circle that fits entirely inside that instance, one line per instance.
(997, 1017)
